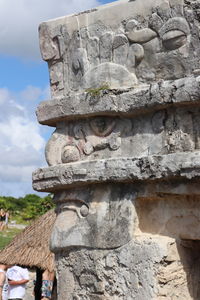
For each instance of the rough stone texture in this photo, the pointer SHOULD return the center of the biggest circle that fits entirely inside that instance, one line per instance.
(95, 218)
(70, 44)
(124, 273)
(157, 96)
(124, 159)
(179, 219)
(164, 167)
(179, 272)
(147, 268)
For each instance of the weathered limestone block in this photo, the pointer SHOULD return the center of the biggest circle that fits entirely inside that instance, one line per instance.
(113, 274)
(124, 159)
(130, 271)
(85, 41)
(136, 101)
(113, 207)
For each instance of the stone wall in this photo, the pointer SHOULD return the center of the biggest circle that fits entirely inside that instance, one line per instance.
(124, 158)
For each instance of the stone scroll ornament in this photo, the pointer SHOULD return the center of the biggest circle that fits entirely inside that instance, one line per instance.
(124, 159)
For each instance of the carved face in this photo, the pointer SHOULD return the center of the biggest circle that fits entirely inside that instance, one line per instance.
(101, 217)
(141, 46)
(102, 126)
(153, 51)
(78, 140)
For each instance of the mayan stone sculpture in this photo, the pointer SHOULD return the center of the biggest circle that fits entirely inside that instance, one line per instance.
(124, 159)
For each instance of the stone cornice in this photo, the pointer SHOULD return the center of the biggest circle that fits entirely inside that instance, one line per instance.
(159, 95)
(185, 165)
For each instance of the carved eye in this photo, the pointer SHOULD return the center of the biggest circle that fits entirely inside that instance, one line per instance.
(174, 39)
(84, 210)
(102, 126)
(76, 206)
(174, 33)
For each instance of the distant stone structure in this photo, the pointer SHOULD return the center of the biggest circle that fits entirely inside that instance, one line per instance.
(124, 160)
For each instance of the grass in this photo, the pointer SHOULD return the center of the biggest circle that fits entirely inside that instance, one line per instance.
(7, 235)
(97, 91)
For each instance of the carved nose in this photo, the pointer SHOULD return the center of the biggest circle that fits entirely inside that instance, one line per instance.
(65, 233)
(70, 228)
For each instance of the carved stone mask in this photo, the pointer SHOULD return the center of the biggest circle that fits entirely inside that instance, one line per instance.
(105, 220)
(102, 126)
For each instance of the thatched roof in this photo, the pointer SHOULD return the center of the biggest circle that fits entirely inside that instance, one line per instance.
(30, 247)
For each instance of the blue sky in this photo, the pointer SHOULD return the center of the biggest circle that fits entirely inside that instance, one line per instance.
(24, 82)
(17, 73)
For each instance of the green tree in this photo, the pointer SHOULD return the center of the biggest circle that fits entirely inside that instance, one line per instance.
(28, 207)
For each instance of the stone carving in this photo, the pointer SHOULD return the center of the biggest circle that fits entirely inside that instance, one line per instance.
(124, 160)
(84, 208)
(70, 154)
(165, 131)
(141, 36)
(174, 33)
(119, 55)
(75, 141)
(49, 44)
(102, 126)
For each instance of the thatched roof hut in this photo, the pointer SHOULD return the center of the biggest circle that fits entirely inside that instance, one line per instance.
(30, 247)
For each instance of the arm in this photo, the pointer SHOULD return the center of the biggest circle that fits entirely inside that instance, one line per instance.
(13, 282)
(1, 290)
(2, 280)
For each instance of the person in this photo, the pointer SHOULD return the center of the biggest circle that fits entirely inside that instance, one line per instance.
(17, 279)
(2, 219)
(3, 282)
(47, 285)
(6, 219)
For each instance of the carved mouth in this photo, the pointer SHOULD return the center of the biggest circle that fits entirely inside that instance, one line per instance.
(113, 75)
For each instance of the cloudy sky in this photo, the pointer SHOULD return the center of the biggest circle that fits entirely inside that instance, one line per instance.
(24, 82)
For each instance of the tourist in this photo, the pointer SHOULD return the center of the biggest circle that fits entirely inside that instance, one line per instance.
(17, 279)
(47, 285)
(2, 219)
(6, 220)
(3, 282)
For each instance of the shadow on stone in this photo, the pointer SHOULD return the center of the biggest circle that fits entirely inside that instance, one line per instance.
(189, 251)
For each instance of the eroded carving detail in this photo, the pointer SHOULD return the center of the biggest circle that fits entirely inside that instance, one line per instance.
(70, 154)
(99, 218)
(102, 126)
(162, 132)
(93, 54)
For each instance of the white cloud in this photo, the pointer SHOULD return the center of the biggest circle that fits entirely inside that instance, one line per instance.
(30, 93)
(21, 140)
(19, 20)
(22, 133)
